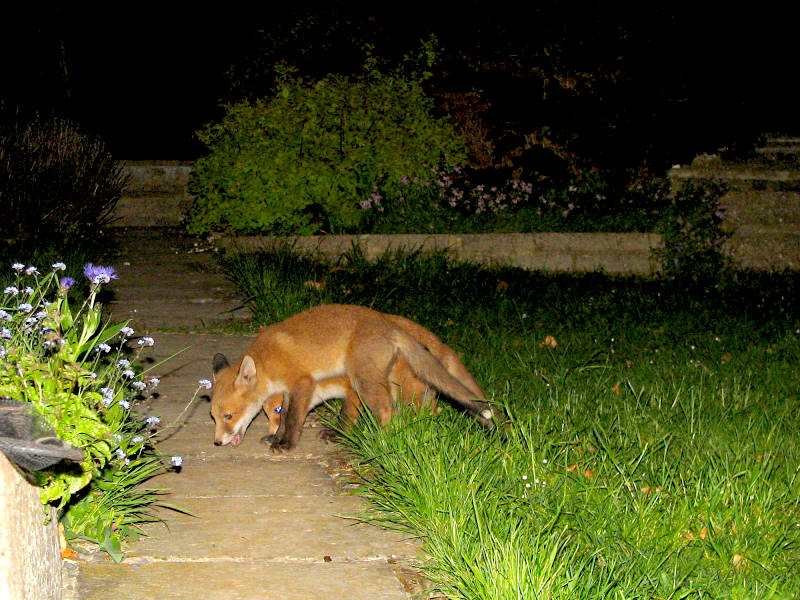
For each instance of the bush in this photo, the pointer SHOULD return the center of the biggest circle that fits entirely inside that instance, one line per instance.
(306, 159)
(693, 233)
(58, 186)
(69, 366)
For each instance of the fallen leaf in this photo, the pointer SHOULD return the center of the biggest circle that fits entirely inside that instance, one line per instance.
(738, 561)
(550, 341)
(587, 473)
(646, 489)
(449, 323)
(703, 533)
(571, 468)
(502, 285)
(316, 285)
(615, 389)
(327, 558)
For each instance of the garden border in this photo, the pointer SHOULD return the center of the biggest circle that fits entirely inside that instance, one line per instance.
(617, 253)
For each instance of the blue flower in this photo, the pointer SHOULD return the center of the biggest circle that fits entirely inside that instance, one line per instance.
(11, 290)
(138, 439)
(98, 274)
(25, 307)
(177, 460)
(18, 267)
(152, 420)
(124, 404)
(108, 395)
(66, 282)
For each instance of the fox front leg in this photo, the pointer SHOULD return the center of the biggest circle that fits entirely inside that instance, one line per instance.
(294, 411)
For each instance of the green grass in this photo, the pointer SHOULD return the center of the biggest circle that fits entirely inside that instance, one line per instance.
(653, 451)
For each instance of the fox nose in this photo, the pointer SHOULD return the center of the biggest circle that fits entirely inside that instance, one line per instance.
(217, 443)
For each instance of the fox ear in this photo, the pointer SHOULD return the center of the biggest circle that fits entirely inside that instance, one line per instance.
(219, 363)
(247, 372)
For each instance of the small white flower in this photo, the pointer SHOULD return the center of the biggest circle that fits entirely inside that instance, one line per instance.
(129, 373)
(177, 460)
(126, 331)
(11, 290)
(146, 341)
(123, 363)
(154, 381)
(152, 420)
(124, 404)
(31, 270)
(139, 385)
(205, 383)
(138, 439)
(59, 266)
(25, 307)
(103, 348)
(18, 267)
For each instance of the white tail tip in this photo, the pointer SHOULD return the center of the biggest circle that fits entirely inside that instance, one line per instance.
(487, 414)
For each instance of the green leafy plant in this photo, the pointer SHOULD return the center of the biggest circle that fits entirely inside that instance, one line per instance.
(305, 159)
(58, 186)
(69, 365)
(693, 233)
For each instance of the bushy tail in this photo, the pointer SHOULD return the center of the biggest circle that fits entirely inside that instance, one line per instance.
(428, 368)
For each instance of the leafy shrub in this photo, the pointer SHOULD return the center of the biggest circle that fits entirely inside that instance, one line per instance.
(58, 186)
(68, 364)
(693, 233)
(445, 202)
(302, 161)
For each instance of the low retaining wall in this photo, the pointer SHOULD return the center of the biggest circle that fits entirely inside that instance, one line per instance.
(762, 214)
(30, 558)
(622, 253)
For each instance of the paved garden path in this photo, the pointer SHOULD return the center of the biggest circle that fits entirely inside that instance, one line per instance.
(262, 525)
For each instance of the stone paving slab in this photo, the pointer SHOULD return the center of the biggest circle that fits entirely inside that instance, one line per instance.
(243, 580)
(279, 528)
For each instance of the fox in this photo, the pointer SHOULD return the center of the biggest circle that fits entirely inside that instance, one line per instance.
(336, 350)
(404, 388)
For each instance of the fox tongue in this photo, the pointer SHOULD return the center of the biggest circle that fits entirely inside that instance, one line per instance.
(236, 440)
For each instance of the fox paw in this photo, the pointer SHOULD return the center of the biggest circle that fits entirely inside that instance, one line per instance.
(268, 439)
(282, 446)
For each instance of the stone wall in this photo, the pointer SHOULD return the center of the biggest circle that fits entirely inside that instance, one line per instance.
(619, 253)
(762, 205)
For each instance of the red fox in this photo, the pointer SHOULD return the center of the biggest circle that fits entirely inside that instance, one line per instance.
(336, 350)
(403, 387)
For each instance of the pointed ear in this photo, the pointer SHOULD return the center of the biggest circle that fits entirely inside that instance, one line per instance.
(247, 372)
(219, 363)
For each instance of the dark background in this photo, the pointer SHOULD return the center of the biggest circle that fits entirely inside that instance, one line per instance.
(146, 76)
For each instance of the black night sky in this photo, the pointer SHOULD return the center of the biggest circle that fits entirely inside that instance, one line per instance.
(145, 76)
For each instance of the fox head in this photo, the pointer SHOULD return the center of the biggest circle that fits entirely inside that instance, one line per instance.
(234, 400)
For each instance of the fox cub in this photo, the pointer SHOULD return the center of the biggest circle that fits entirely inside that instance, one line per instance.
(336, 351)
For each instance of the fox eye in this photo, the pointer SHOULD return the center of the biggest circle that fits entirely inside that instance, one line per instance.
(228, 417)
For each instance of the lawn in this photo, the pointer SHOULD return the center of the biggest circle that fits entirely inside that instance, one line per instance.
(653, 448)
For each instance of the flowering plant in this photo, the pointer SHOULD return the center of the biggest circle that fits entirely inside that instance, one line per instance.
(70, 366)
